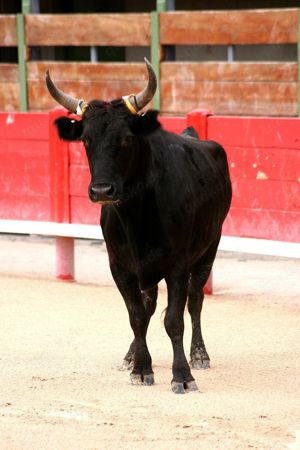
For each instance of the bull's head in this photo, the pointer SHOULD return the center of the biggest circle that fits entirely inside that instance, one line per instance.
(113, 135)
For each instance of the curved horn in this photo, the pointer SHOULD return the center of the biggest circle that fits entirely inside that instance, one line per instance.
(138, 101)
(72, 104)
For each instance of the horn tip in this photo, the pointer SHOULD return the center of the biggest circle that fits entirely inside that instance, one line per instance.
(148, 63)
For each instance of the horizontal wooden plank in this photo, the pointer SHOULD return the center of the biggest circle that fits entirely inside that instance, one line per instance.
(9, 73)
(81, 71)
(9, 95)
(40, 99)
(263, 26)
(225, 71)
(264, 163)
(88, 29)
(245, 98)
(257, 132)
(8, 31)
(24, 126)
(263, 224)
(266, 194)
(83, 211)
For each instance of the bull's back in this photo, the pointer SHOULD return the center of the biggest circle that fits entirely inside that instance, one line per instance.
(193, 191)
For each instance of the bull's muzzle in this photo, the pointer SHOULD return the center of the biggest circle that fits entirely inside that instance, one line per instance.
(102, 193)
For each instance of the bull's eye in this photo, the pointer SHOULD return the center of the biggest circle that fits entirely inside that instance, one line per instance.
(126, 141)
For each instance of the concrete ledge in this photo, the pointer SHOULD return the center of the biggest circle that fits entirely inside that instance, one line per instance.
(228, 243)
(260, 246)
(51, 229)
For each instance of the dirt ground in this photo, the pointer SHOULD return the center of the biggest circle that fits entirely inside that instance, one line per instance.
(61, 344)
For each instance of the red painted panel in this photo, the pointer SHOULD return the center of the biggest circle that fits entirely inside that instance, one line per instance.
(77, 153)
(24, 126)
(255, 131)
(79, 180)
(174, 124)
(266, 194)
(264, 224)
(17, 207)
(198, 120)
(83, 211)
(59, 171)
(264, 163)
(24, 168)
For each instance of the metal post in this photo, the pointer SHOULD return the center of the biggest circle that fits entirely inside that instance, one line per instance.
(170, 53)
(65, 265)
(230, 53)
(93, 54)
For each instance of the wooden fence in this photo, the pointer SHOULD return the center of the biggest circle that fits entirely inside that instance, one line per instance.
(245, 88)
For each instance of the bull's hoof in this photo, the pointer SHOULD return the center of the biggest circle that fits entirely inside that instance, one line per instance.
(142, 380)
(148, 379)
(179, 387)
(126, 365)
(200, 363)
(199, 358)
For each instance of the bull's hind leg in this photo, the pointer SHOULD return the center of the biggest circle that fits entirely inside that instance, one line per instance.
(198, 354)
(149, 300)
(199, 276)
(177, 294)
(128, 286)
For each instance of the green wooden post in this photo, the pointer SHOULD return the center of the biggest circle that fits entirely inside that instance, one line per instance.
(22, 55)
(155, 47)
(22, 62)
(161, 5)
(155, 55)
(26, 6)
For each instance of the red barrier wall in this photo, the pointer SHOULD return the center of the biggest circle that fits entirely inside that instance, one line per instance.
(24, 166)
(264, 160)
(43, 178)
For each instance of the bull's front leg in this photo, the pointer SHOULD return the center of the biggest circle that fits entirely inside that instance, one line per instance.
(128, 286)
(177, 285)
(149, 300)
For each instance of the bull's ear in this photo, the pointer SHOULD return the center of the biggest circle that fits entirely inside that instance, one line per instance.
(146, 123)
(69, 129)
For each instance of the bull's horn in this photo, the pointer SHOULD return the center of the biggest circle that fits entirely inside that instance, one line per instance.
(137, 102)
(72, 104)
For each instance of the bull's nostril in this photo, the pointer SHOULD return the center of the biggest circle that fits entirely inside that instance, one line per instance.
(109, 190)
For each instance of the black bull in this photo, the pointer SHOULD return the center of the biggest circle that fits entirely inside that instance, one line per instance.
(164, 198)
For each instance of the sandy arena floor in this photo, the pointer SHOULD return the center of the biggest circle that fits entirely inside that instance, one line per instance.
(61, 344)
